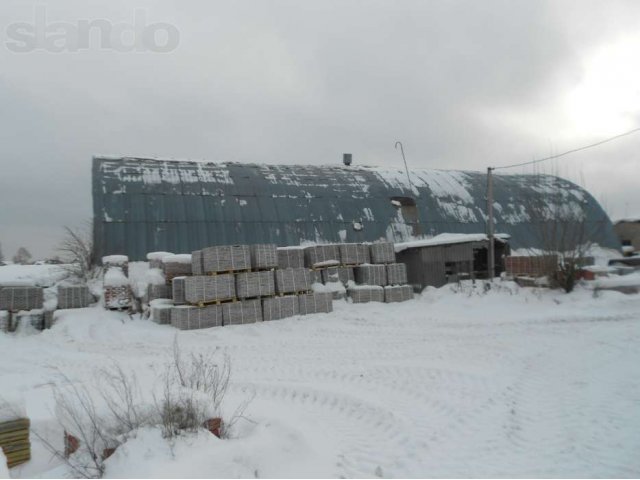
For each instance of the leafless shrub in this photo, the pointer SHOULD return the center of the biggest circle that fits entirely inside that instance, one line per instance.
(76, 249)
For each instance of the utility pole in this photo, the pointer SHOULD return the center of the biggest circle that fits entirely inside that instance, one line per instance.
(492, 252)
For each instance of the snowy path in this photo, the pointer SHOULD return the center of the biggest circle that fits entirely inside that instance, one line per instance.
(449, 385)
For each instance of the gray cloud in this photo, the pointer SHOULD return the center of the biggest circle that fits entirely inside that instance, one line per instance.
(464, 84)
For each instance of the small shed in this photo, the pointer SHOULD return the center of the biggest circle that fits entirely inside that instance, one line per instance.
(450, 257)
(628, 231)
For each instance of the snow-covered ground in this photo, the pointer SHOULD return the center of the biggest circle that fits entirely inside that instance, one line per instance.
(456, 383)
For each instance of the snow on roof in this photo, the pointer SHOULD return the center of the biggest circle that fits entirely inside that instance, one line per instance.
(447, 239)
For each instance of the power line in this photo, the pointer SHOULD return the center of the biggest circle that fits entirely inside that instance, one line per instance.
(569, 151)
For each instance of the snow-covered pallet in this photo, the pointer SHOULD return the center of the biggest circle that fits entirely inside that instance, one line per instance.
(177, 290)
(155, 258)
(366, 293)
(74, 296)
(382, 252)
(161, 313)
(280, 307)
(317, 256)
(316, 302)
(35, 318)
(264, 256)
(398, 293)
(290, 257)
(255, 284)
(337, 274)
(337, 289)
(354, 253)
(205, 289)
(176, 266)
(197, 267)
(158, 291)
(187, 317)
(245, 311)
(21, 298)
(371, 275)
(226, 258)
(117, 296)
(396, 274)
(292, 280)
(120, 261)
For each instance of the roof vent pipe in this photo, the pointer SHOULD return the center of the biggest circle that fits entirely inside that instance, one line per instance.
(346, 159)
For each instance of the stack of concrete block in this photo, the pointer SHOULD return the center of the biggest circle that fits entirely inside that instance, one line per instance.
(292, 280)
(371, 275)
(117, 293)
(382, 252)
(315, 276)
(398, 293)
(255, 284)
(4, 321)
(354, 253)
(161, 311)
(321, 256)
(290, 257)
(264, 256)
(176, 266)
(226, 258)
(396, 274)
(337, 274)
(316, 302)
(366, 293)
(177, 290)
(155, 258)
(276, 308)
(197, 267)
(187, 317)
(158, 291)
(74, 296)
(239, 313)
(14, 298)
(204, 289)
(35, 318)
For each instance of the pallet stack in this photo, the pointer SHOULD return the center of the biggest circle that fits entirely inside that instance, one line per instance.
(20, 302)
(117, 292)
(176, 266)
(74, 296)
(382, 280)
(119, 261)
(14, 437)
(155, 259)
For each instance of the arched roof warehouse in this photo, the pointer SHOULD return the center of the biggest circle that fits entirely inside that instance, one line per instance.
(142, 205)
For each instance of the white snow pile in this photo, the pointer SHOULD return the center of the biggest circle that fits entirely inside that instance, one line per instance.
(115, 277)
(462, 381)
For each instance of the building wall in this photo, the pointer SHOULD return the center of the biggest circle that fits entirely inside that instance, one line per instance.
(629, 231)
(143, 205)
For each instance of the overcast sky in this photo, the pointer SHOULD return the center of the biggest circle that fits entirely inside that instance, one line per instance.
(464, 85)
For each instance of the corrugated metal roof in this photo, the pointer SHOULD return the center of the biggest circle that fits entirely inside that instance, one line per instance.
(142, 205)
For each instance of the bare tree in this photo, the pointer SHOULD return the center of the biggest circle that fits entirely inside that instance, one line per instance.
(22, 256)
(563, 226)
(76, 249)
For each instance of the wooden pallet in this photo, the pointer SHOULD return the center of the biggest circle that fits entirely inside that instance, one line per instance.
(227, 272)
(216, 302)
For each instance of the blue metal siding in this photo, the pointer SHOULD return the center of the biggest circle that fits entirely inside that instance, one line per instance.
(142, 205)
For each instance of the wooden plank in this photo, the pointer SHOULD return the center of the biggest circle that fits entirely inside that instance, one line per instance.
(13, 425)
